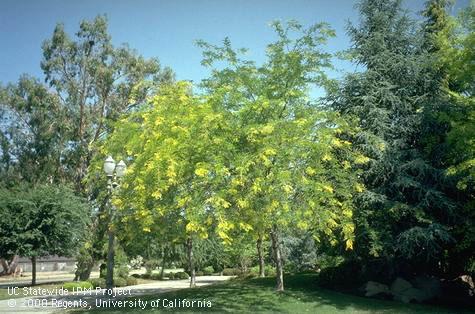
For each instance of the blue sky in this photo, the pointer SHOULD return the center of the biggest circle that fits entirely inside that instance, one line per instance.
(166, 29)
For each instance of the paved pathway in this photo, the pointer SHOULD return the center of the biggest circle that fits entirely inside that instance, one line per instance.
(54, 303)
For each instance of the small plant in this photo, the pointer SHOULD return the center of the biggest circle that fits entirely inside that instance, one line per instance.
(199, 273)
(131, 281)
(98, 282)
(230, 272)
(182, 275)
(208, 270)
(269, 270)
(155, 277)
(137, 262)
(254, 271)
(151, 265)
(170, 276)
(120, 282)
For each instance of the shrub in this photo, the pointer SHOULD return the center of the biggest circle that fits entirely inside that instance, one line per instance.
(208, 270)
(199, 273)
(146, 276)
(137, 262)
(121, 271)
(120, 282)
(136, 275)
(98, 282)
(269, 270)
(155, 277)
(182, 275)
(231, 272)
(254, 271)
(347, 274)
(151, 265)
(169, 275)
(121, 263)
(103, 270)
(77, 284)
(131, 281)
(248, 275)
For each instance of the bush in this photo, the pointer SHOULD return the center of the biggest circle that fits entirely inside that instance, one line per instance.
(155, 277)
(231, 272)
(199, 273)
(98, 282)
(77, 284)
(146, 276)
(131, 281)
(209, 270)
(121, 271)
(137, 262)
(103, 270)
(269, 270)
(151, 265)
(346, 275)
(169, 275)
(121, 263)
(120, 282)
(136, 275)
(182, 275)
(254, 271)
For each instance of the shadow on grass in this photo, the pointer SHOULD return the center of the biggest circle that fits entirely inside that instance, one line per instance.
(301, 295)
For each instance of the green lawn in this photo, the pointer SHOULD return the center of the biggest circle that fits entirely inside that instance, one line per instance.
(258, 296)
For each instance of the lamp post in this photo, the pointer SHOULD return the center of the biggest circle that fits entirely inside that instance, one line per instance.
(113, 179)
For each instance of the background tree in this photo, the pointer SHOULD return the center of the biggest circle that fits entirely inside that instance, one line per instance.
(44, 220)
(96, 83)
(33, 136)
(32, 129)
(456, 57)
(404, 216)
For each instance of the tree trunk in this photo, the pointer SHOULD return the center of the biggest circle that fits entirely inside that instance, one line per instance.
(191, 265)
(9, 267)
(278, 259)
(163, 265)
(84, 273)
(261, 256)
(33, 270)
(5, 267)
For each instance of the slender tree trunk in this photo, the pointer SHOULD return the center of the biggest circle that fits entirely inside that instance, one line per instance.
(163, 265)
(191, 265)
(261, 256)
(84, 272)
(5, 267)
(278, 259)
(33, 270)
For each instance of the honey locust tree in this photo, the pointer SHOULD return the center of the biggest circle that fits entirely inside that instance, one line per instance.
(178, 150)
(94, 81)
(293, 162)
(457, 58)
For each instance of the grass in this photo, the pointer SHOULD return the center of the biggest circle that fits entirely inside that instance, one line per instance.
(258, 296)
